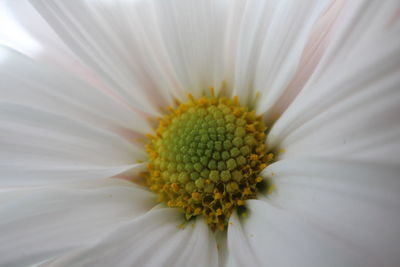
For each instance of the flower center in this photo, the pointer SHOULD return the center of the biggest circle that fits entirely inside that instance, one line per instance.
(206, 158)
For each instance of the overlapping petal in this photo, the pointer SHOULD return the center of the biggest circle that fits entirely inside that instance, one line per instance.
(40, 224)
(170, 48)
(352, 96)
(58, 129)
(155, 239)
(350, 210)
(337, 175)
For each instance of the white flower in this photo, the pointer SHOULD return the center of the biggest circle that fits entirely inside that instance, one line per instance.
(329, 71)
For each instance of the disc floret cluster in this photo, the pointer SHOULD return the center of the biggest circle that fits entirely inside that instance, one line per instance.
(206, 156)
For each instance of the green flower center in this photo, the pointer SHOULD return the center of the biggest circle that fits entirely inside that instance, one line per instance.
(206, 158)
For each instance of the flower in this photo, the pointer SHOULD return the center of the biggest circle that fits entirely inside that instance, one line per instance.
(328, 77)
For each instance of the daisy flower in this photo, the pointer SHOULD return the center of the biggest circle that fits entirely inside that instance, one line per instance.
(201, 133)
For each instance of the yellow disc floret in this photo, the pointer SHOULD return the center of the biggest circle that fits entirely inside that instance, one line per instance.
(206, 158)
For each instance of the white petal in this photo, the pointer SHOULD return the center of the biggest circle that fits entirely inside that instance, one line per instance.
(350, 106)
(328, 213)
(155, 239)
(278, 237)
(360, 123)
(268, 40)
(143, 49)
(30, 34)
(49, 134)
(193, 34)
(12, 34)
(42, 43)
(40, 224)
(351, 39)
(314, 49)
(150, 49)
(240, 252)
(336, 200)
(29, 83)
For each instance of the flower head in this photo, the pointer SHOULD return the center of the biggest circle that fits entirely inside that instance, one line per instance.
(114, 151)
